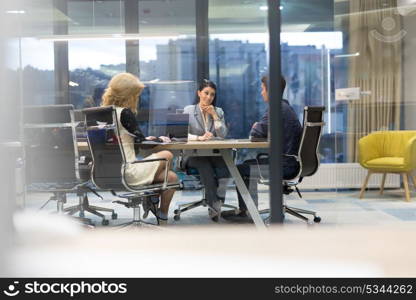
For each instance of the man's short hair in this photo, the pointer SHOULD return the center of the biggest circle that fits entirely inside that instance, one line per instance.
(265, 80)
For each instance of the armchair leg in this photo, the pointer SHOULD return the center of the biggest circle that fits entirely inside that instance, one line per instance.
(365, 184)
(406, 187)
(383, 181)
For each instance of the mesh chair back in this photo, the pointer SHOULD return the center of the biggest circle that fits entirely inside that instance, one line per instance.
(311, 136)
(51, 155)
(107, 157)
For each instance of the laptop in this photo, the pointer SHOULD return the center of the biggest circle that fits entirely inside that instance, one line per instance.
(177, 127)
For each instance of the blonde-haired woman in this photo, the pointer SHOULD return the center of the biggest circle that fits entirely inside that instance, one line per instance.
(123, 92)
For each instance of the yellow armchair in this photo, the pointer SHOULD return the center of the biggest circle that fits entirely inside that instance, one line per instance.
(388, 152)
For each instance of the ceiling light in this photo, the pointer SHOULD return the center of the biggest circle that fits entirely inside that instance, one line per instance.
(264, 7)
(15, 12)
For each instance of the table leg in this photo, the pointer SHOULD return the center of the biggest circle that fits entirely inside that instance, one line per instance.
(258, 221)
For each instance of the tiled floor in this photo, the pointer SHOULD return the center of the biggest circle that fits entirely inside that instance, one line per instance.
(336, 208)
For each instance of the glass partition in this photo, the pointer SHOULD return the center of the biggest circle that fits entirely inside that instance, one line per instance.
(356, 59)
(34, 56)
(238, 58)
(167, 60)
(91, 66)
(353, 57)
(96, 48)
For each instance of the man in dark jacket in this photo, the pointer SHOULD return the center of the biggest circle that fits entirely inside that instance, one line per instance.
(292, 131)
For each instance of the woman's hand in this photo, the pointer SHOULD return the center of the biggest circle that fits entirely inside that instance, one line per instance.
(151, 138)
(165, 139)
(207, 136)
(210, 110)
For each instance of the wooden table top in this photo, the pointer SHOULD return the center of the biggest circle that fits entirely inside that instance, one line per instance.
(213, 144)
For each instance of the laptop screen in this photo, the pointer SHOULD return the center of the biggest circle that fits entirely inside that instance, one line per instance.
(177, 126)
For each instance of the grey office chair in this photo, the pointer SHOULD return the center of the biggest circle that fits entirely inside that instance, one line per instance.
(109, 164)
(307, 157)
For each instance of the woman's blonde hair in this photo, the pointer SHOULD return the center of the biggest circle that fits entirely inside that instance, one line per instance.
(123, 90)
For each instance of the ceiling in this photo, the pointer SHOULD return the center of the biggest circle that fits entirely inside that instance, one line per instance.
(175, 17)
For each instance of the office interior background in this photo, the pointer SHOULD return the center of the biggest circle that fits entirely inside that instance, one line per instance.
(354, 57)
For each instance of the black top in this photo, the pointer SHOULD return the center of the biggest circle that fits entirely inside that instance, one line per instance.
(292, 131)
(128, 120)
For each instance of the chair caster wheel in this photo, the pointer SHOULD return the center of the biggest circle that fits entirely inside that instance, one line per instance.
(175, 212)
(114, 216)
(105, 222)
(176, 217)
(317, 219)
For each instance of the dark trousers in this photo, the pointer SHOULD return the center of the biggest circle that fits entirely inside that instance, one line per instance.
(249, 171)
(210, 169)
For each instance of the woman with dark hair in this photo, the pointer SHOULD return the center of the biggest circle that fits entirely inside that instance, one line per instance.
(206, 122)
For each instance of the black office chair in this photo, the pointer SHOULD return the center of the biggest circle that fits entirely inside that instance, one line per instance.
(307, 157)
(193, 177)
(50, 153)
(109, 163)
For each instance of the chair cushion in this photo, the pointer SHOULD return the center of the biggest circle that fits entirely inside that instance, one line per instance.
(387, 164)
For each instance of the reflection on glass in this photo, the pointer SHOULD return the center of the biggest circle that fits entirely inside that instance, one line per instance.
(356, 58)
(93, 62)
(37, 58)
(100, 17)
(238, 58)
(167, 52)
(91, 66)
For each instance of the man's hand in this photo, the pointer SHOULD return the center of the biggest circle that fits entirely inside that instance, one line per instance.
(254, 125)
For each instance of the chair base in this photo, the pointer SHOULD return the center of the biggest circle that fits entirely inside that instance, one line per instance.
(84, 206)
(60, 198)
(188, 206)
(84, 221)
(137, 222)
(296, 212)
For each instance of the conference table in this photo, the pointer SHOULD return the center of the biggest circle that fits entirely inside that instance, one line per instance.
(221, 148)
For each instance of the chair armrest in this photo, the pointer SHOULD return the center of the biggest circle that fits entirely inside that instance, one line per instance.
(262, 155)
(410, 153)
(165, 179)
(266, 155)
(291, 155)
(367, 148)
(148, 160)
